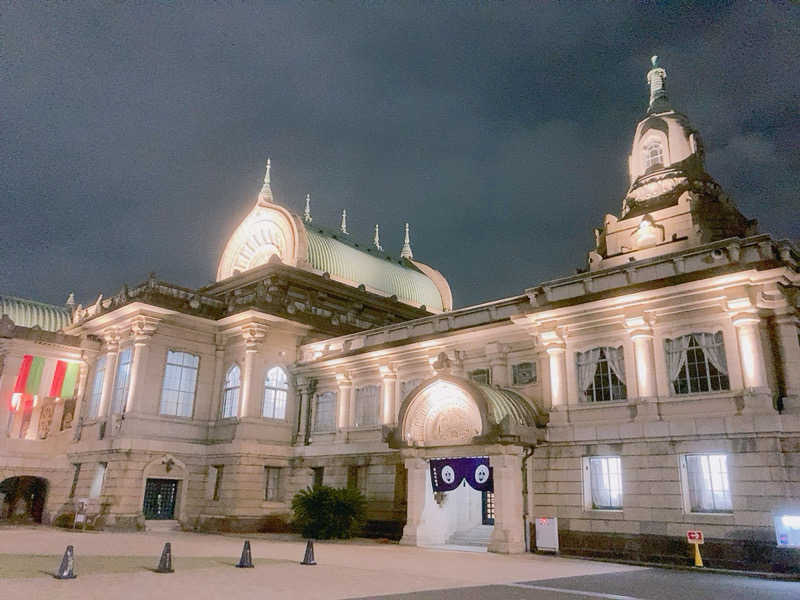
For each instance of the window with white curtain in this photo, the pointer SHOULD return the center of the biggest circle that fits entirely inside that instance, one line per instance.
(696, 363)
(276, 391)
(122, 381)
(601, 374)
(325, 412)
(180, 383)
(97, 386)
(230, 392)
(706, 485)
(367, 405)
(653, 154)
(602, 482)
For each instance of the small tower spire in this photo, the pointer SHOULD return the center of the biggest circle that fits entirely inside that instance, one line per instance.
(343, 226)
(377, 240)
(307, 211)
(266, 189)
(656, 78)
(406, 251)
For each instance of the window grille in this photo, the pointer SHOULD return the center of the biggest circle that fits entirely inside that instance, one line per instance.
(180, 383)
(523, 373)
(696, 363)
(367, 405)
(276, 391)
(601, 374)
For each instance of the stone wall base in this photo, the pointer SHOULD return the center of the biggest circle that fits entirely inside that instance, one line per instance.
(748, 555)
(262, 524)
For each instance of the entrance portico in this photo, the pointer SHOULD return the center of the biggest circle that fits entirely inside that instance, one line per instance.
(451, 417)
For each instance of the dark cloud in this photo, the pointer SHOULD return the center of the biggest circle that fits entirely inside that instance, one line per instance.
(133, 136)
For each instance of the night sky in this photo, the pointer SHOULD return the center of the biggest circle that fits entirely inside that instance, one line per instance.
(133, 136)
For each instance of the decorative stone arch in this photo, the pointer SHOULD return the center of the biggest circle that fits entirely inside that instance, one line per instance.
(268, 231)
(443, 411)
(167, 467)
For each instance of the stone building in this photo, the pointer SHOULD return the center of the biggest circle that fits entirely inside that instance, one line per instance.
(655, 392)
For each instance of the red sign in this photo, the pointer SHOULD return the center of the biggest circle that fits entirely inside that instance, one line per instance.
(694, 537)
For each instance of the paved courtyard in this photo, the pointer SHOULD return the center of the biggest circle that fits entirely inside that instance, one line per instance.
(204, 568)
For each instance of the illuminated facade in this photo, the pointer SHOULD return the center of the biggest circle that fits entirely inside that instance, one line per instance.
(655, 392)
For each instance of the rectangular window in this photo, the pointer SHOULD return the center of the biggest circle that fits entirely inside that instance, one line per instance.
(367, 405)
(319, 476)
(97, 386)
(696, 363)
(602, 483)
(523, 373)
(76, 474)
(180, 383)
(97, 483)
(218, 469)
(480, 376)
(272, 477)
(407, 386)
(705, 479)
(601, 374)
(122, 381)
(325, 412)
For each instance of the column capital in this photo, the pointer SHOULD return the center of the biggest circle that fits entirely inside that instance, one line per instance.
(306, 385)
(143, 328)
(111, 339)
(553, 339)
(387, 372)
(343, 380)
(253, 334)
(639, 327)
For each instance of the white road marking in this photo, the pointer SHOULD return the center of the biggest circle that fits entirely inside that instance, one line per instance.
(545, 588)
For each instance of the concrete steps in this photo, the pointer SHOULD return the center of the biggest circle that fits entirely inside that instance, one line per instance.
(477, 536)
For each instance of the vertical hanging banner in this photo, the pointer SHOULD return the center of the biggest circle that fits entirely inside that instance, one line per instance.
(448, 473)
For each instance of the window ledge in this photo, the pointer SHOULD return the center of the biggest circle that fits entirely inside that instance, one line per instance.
(365, 428)
(616, 511)
(699, 396)
(273, 504)
(176, 418)
(596, 405)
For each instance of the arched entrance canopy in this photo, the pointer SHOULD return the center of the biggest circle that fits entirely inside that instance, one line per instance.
(448, 410)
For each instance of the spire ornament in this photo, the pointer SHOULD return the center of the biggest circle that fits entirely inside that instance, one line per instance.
(656, 78)
(406, 251)
(377, 240)
(307, 211)
(343, 226)
(266, 190)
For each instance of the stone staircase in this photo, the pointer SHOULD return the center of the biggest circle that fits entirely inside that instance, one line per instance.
(477, 536)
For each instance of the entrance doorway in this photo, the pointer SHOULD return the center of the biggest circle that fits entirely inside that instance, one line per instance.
(22, 499)
(159, 499)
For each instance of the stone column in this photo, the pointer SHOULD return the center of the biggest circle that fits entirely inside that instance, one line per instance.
(112, 350)
(142, 330)
(508, 536)
(786, 334)
(344, 416)
(557, 355)
(250, 405)
(416, 489)
(80, 391)
(757, 397)
(305, 392)
(389, 406)
(498, 363)
(216, 388)
(645, 364)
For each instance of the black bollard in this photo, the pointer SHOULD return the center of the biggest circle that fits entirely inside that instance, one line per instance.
(246, 561)
(67, 568)
(165, 564)
(308, 559)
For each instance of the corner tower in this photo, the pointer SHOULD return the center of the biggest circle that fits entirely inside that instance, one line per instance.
(672, 203)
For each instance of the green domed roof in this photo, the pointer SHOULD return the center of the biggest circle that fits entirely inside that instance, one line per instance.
(29, 313)
(333, 253)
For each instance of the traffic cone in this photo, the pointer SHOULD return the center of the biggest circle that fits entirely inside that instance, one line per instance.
(165, 564)
(67, 568)
(246, 561)
(308, 559)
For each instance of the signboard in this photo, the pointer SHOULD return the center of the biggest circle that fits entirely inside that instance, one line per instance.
(694, 536)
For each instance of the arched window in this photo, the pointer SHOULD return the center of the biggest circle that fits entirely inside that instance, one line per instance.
(653, 154)
(276, 390)
(180, 381)
(230, 392)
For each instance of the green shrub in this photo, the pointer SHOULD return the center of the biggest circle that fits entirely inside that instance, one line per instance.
(324, 512)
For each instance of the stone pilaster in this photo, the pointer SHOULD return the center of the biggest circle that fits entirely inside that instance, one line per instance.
(557, 356)
(389, 404)
(508, 535)
(142, 329)
(111, 340)
(786, 334)
(250, 405)
(413, 530)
